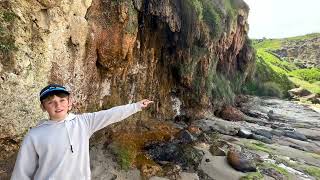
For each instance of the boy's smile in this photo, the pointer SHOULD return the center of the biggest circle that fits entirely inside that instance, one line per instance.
(56, 107)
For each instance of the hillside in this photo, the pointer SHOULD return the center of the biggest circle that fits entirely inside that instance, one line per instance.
(303, 51)
(283, 64)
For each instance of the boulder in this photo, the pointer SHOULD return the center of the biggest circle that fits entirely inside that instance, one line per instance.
(241, 161)
(298, 92)
(183, 155)
(217, 167)
(244, 133)
(232, 114)
(314, 98)
(186, 137)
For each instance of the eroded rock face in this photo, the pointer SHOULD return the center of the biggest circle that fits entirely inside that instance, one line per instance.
(114, 52)
(42, 34)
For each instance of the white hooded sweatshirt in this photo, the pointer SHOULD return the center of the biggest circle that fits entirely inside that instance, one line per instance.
(59, 150)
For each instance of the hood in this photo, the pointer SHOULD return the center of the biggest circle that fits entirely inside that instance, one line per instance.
(69, 117)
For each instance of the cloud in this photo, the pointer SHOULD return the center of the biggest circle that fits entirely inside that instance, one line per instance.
(283, 18)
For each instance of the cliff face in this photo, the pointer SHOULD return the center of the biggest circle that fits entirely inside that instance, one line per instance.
(113, 52)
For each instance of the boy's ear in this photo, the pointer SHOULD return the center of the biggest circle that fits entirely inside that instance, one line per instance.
(42, 107)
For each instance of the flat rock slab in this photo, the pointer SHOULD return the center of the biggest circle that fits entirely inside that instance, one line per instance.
(284, 111)
(217, 167)
(189, 176)
(301, 145)
(311, 133)
(308, 158)
(219, 125)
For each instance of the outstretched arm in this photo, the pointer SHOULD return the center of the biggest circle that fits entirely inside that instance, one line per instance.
(98, 120)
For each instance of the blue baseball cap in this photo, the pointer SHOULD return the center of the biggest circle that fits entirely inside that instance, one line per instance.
(51, 89)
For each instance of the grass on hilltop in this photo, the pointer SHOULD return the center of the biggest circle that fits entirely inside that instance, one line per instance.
(275, 76)
(310, 75)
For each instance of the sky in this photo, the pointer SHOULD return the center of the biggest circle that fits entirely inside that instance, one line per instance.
(283, 18)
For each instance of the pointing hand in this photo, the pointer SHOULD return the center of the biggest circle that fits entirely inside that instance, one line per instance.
(145, 102)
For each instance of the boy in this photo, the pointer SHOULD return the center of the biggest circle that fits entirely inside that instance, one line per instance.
(58, 148)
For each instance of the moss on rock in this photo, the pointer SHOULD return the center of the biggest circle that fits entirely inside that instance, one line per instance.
(258, 146)
(252, 176)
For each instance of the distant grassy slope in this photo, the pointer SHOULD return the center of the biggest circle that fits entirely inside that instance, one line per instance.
(273, 44)
(276, 69)
(267, 44)
(301, 50)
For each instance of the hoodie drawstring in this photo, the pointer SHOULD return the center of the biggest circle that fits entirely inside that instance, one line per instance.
(71, 148)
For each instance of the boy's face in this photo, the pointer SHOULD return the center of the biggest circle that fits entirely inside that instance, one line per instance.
(56, 107)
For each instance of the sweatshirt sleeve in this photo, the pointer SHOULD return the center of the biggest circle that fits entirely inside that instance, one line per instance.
(26, 162)
(98, 120)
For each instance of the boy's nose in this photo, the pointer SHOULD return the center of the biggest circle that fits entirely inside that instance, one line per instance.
(57, 104)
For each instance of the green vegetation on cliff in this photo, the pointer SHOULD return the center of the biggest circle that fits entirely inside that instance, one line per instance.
(267, 44)
(222, 90)
(271, 77)
(272, 44)
(214, 14)
(198, 7)
(277, 72)
(131, 26)
(130, 22)
(311, 75)
(214, 18)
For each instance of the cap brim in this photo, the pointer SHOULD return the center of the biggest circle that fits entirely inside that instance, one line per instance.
(54, 91)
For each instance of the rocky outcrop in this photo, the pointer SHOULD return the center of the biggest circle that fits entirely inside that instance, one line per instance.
(304, 94)
(181, 54)
(303, 51)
